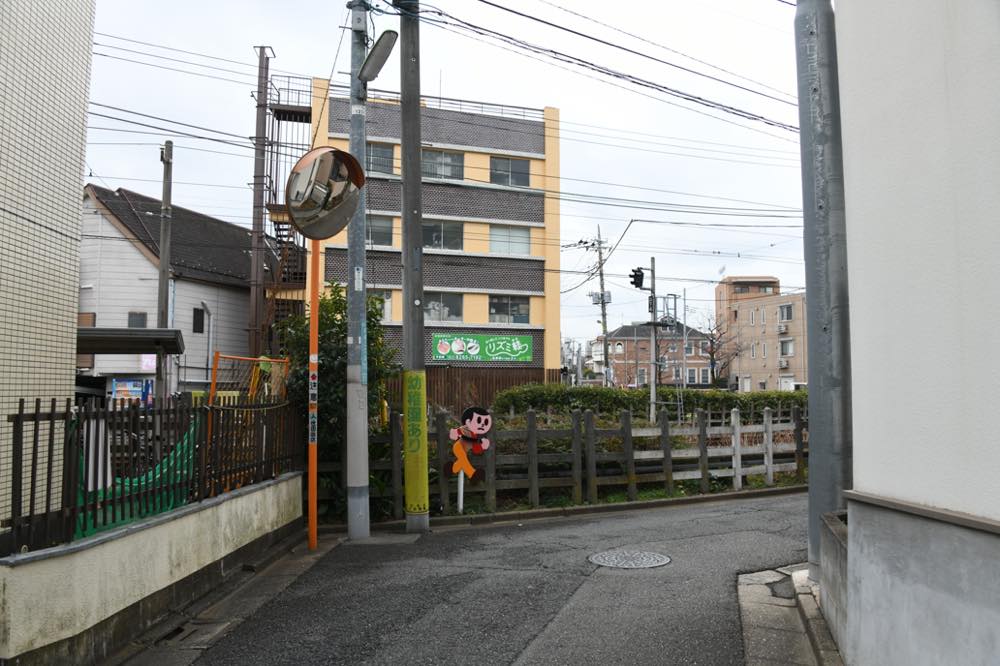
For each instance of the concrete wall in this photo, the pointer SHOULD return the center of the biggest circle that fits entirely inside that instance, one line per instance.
(921, 166)
(833, 575)
(920, 591)
(55, 594)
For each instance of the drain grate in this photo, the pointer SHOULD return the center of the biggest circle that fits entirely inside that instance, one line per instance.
(629, 559)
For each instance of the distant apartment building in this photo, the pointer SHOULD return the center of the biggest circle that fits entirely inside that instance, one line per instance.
(762, 334)
(681, 360)
(490, 230)
(209, 289)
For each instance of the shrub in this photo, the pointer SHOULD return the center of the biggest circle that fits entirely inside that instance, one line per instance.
(605, 400)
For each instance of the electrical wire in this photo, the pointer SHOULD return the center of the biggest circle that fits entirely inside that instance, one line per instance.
(634, 52)
(607, 71)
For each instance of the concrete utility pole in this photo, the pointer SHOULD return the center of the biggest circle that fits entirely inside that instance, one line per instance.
(652, 341)
(163, 292)
(414, 375)
(604, 308)
(825, 241)
(358, 525)
(257, 230)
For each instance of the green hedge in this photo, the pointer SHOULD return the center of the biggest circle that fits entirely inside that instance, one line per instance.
(602, 400)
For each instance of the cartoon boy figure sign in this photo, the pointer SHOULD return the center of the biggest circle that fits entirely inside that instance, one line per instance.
(476, 422)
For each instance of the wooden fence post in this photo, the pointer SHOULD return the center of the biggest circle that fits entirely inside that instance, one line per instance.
(737, 450)
(577, 463)
(800, 463)
(667, 448)
(768, 448)
(533, 460)
(444, 471)
(396, 446)
(703, 449)
(491, 472)
(589, 445)
(628, 450)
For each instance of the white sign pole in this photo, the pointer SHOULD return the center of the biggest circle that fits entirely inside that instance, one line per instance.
(461, 492)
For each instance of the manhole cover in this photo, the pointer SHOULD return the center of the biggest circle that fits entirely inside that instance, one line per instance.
(629, 559)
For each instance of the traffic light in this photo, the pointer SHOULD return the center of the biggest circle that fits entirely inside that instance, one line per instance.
(637, 276)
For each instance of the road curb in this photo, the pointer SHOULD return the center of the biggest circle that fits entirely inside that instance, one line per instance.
(569, 511)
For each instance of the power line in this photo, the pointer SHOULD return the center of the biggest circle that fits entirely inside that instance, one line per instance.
(172, 69)
(634, 52)
(665, 48)
(581, 62)
(168, 120)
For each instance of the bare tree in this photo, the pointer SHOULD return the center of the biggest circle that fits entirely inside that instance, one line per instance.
(723, 346)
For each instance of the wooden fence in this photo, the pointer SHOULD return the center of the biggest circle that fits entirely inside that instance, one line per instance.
(599, 457)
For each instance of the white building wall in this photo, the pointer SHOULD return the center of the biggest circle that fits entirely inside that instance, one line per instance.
(920, 105)
(116, 278)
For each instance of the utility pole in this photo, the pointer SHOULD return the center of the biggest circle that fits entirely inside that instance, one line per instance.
(652, 341)
(257, 230)
(684, 351)
(163, 292)
(825, 244)
(604, 308)
(358, 525)
(414, 375)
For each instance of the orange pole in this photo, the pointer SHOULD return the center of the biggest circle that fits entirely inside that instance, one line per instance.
(314, 283)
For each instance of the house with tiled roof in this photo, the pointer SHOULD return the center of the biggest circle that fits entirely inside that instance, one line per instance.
(683, 355)
(119, 273)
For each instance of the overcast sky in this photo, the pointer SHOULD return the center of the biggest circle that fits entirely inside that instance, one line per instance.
(622, 136)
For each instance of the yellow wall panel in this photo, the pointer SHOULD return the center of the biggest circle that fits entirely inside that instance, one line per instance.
(476, 237)
(476, 309)
(477, 167)
(537, 316)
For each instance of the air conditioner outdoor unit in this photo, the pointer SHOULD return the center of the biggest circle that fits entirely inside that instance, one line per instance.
(782, 362)
(782, 328)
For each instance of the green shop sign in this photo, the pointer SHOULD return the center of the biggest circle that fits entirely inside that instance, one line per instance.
(474, 347)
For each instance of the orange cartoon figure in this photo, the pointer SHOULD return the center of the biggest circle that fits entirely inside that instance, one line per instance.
(476, 422)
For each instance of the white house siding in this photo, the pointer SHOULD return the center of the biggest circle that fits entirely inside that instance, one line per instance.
(921, 166)
(117, 278)
(228, 325)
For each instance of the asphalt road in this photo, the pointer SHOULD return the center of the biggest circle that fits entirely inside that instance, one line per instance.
(526, 594)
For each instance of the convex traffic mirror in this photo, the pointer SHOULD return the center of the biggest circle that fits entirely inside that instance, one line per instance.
(323, 191)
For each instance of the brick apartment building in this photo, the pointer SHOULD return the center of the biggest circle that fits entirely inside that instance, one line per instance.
(763, 333)
(490, 228)
(680, 364)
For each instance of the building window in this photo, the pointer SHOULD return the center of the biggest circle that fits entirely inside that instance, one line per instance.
(672, 348)
(137, 320)
(443, 235)
(689, 349)
(704, 375)
(736, 315)
(741, 289)
(386, 297)
(753, 350)
(506, 171)
(692, 376)
(785, 312)
(199, 321)
(766, 289)
(752, 312)
(642, 377)
(763, 349)
(439, 164)
(441, 306)
(677, 374)
(379, 230)
(762, 385)
(619, 348)
(510, 309)
(509, 240)
(787, 348)
(380, 157)
(703, 348)
(762, 311)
